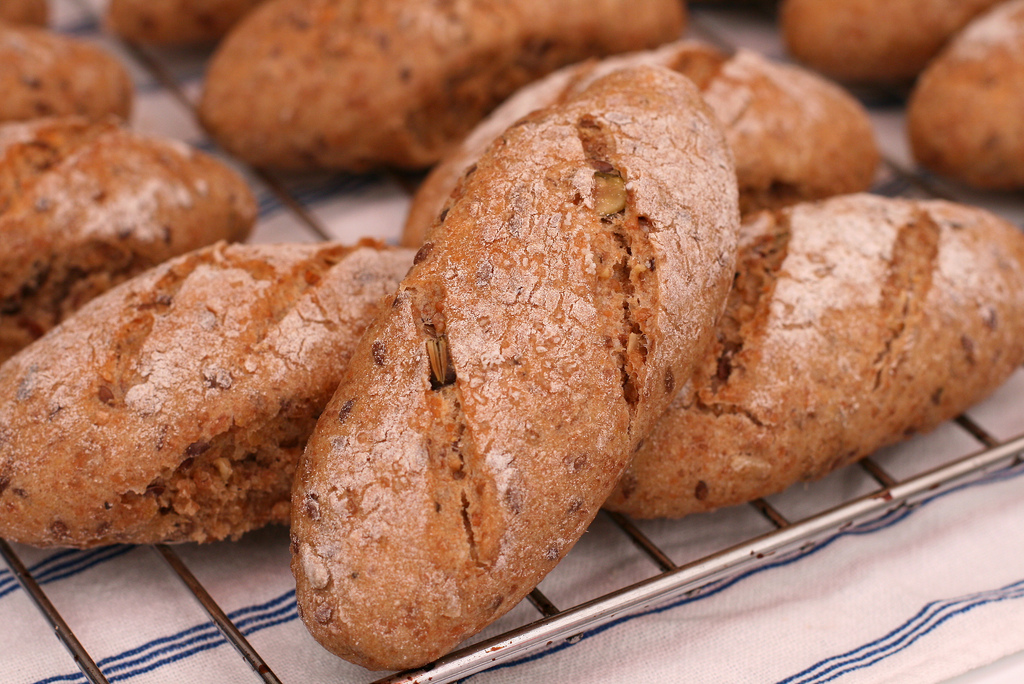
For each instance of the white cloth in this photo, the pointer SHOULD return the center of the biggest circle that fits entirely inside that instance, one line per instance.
(918, 595)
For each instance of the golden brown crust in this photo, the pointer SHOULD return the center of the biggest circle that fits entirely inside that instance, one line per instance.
(854, 322)
(85, 206)
(573, 279)
(356, 84)
(174, 407)
(176, 22)
(32, 12)
(873, 41)
(46, 74)
(794, 136)
(964, 116)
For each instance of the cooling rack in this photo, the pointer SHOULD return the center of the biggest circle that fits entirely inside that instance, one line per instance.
(335, 208)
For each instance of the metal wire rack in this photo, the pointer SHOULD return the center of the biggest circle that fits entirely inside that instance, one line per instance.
(555, 624)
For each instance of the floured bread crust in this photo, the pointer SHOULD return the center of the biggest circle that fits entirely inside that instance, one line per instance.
(794, 135)
(174, 407)
(853, 323)
(873, 41)
(492, 406)
(86, 206)
(175, 22)
(46, 74)
(359, 84)
(965, 114)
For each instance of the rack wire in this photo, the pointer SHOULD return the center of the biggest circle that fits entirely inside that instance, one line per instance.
(555, 625)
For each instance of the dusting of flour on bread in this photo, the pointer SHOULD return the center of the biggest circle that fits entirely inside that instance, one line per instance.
(1003, 26)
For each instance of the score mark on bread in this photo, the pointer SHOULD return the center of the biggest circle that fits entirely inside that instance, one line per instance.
(174, 407)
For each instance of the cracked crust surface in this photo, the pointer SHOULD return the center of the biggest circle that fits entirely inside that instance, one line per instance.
(176, 22)
(86, 206)
(358, 84)
(873, 41)
(174, 407)
(46, 74)
(964, 116)
(495, 402)
(794, 135)
(854, 323)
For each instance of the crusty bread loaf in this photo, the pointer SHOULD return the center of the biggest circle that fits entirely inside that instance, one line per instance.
(353, 84)
(966, 114)
(175, 22)
(32, 12)
(873, 41)
(493, 404)
(46, 74)
(175, 407)
(794, 135)
(852, 324)
(85, 206)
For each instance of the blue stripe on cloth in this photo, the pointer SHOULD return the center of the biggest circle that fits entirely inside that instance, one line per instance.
(86, 26)
(205, 145)
(162, 651)
(8, 582)
(885, 521)
(150, 88)
(73, 563)
(282, 609)
(267, 203)
(205, 647)
(923, 623)
(310, 194)
(196, 633)
(331, 188)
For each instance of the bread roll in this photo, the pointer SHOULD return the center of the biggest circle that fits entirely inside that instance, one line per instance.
(351, 84)
(491, 407)
(873, 41)
(175, 22)
(33, 12)
(86, 206)
(174, 407)
(966, 114)
(794, 135)
(46, 74)
(853, 323)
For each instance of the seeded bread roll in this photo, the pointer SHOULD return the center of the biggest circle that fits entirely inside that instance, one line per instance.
(33, 12)
(873, 41)
(852, 324)
(175, 22)
(794, 135)
(966, 114)
(491, 407)
(86, 206)
(174, 407)
(354, 84)
(46, 74)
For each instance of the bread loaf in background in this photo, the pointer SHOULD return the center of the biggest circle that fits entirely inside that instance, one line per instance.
(174, 407)
(873, 41)
(493, 404)
(32, 12)
(84, 206)
(966, 113)
(175, 22)
(853, 323)
(354, 85)
(794, 135)
(47, 74)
